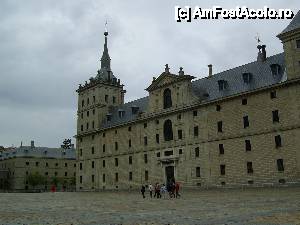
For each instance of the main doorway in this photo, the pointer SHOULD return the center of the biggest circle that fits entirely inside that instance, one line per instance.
(169, 174)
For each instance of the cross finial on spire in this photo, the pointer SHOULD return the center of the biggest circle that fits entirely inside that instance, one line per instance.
(106, 26)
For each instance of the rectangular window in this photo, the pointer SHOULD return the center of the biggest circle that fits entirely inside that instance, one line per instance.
(106, 98)
(80, 166)
(273, 94)
(145, 125)
(218, 108)
(158, 154)
(94, 99)
(280, 166)
(222, 169)
(116, 177)
(80, 179)
(221, 149)
(249, 167)
(66, 174)
(179, 134)
(244, 101)
(87, 113)
(298, 43)
(129, 129)
(195, 113)
(93, 164)
(157, 138)
(278, 141)
(129, 143)
(80, 152)
(27, 163)
(114, 99)
(82, 103)
(116, 162)
(247, 145)
(196, 131)
(220, 126)
(93, 178)
(36, 163)
(48, 164)
(146, 175)
(130, 160)
(197, 152)
(93, 150)
(179, 116)
(116, 146)
(87, 126)
(103, 163)
(145, 141)
(246, 121)
(103, 178)
(93, 111)
(145, 158)
(157, 121)
(130, 176)
(168, 153)
(197, 171)
(275, 116)
(93, 124)
(66, 164)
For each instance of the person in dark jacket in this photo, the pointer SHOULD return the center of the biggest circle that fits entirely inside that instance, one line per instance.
(143, 189)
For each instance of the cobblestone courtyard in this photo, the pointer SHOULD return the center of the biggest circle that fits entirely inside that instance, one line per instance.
(251, 206)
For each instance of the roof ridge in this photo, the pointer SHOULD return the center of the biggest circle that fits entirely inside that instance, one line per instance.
(217, 74)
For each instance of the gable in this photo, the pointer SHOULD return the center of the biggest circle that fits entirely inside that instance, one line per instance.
(166, 79)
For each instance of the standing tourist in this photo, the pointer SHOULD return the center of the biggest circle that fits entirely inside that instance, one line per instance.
(177, 190)
(150, 190)
(143, 189)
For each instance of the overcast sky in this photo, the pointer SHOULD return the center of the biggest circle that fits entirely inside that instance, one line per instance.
(48, 47)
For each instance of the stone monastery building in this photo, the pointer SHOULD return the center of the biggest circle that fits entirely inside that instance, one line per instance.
(238, 127)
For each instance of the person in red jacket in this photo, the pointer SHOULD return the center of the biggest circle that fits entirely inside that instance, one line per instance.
(177, 189)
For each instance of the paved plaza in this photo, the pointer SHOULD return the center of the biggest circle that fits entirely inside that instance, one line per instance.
(266, 206)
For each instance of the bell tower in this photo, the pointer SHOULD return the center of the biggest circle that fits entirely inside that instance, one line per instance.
(98, 95)
(290, 37)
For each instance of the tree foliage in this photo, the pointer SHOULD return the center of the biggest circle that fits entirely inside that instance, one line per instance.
(35, 179)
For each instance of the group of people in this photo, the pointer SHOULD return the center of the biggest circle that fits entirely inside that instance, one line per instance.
(172, 189)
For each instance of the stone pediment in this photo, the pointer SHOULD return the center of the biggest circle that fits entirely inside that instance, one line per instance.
(167, 78)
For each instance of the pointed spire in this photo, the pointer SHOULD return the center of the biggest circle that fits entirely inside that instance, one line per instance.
(105, 59)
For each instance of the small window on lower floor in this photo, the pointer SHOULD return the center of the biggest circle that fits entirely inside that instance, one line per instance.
(197, 171)
(280, 166)
(222, 169)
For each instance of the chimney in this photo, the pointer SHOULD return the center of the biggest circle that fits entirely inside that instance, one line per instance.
(32, 144)
(209, 70)
(264, 53)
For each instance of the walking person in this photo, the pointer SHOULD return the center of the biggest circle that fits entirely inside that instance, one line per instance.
(150, 190)
(177, 190)
(143, 189)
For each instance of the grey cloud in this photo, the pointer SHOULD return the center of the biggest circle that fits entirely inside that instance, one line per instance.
(48, 47)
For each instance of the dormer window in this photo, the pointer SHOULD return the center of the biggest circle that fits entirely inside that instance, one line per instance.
(134, 109)
(45, 152)
(247, 77)
(276, 69)
(167, 98)
(121, 113)
(222, 85)
(108, 117)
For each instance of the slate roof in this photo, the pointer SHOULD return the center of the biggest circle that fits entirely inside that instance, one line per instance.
(38, 152)
(294, 24)
(207, 89)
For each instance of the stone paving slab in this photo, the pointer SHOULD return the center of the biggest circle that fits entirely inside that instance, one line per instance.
(264, 206)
